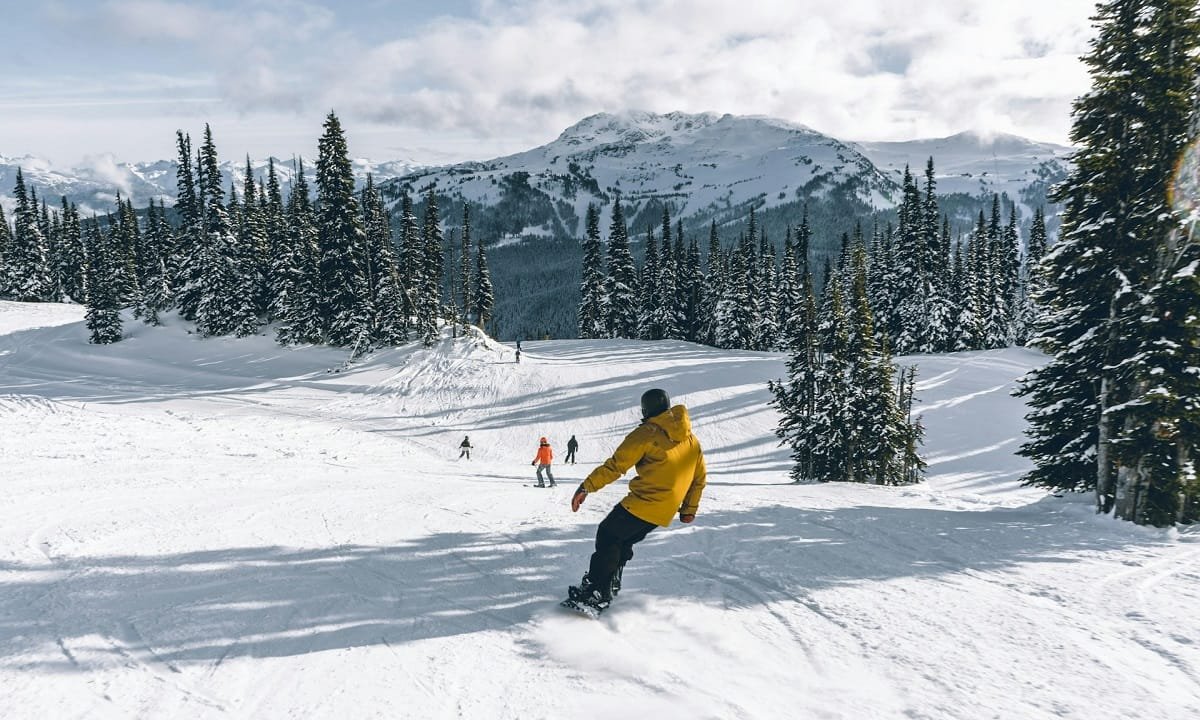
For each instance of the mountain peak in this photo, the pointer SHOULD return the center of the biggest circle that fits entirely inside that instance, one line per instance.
(634, 126)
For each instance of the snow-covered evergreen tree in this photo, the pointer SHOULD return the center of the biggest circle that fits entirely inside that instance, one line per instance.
(189, 242)
(790, 301)
(296, 302)
(910, 291)
(464, 265)
(1010, 277)
(943, 310)
(254, 245)
(71, 254)
(692, 285)
(714, 287)
(275, 221)
(1090, 413)
(966, 324)
(30, 278)
(668, 309)
(128, 249)
(103, 316)
(156, 294)
(218, 258)
(796, 398)
(345, 304)
(410, 263)
(591, 288)
(830, 422)
(767, 335)
(484, 298)
(735, 315)
(429, 296)
(621, 287)
(648, 297)
(389, 300)
(1032, 279)
(6, 258)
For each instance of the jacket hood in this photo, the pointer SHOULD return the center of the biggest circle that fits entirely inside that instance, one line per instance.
(674, 422)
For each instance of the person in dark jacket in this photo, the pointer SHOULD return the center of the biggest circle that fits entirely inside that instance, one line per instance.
(572, 446)
(670, 479)
(466, 448)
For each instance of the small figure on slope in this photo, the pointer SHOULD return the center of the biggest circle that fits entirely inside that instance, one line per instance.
(543, 459)
(572, 446)
(466, 448)
(670, 479)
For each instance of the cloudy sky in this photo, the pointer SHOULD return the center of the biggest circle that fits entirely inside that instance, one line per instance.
(474, 79)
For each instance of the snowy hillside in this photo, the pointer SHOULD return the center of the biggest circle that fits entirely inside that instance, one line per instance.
(226, 528)
(94, 184)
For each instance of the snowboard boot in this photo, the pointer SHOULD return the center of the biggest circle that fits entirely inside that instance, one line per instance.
(540, 485)
(580, 591)
(587, 593)
(597, 600)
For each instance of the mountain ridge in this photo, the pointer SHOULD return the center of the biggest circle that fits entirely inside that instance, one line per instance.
(701, 164)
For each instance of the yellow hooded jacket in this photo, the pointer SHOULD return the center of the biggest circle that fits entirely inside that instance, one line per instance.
(670, 468)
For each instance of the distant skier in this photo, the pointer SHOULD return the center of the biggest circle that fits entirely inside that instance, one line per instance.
(518, 355)
(544, 457)
(466, 448)
(572, 446)
(670, 479)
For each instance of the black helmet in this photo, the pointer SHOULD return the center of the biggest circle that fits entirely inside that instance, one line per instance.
(655, 402)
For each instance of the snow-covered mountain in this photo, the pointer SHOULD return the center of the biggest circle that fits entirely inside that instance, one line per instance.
(977, 164)
(703, 165)
(94, 183)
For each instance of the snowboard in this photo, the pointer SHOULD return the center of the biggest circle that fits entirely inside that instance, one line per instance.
(535, 485)
(588, 611)
(575, 603)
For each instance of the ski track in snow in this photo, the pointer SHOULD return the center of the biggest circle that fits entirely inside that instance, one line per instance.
(226, 528)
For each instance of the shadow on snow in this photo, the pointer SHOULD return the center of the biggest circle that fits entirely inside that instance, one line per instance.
(276, 601)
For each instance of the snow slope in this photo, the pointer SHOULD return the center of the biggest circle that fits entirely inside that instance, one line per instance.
(227, 528)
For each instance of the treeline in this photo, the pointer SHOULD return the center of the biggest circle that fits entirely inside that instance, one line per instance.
(928, 291)
(326, 270)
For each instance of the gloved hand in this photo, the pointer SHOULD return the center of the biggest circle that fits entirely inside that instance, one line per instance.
(533, 463)
(578, 498)
(687, 517)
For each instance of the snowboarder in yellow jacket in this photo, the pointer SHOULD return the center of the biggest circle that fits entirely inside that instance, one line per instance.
(670, 479)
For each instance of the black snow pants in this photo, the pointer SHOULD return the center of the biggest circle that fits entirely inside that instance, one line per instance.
(615, 538)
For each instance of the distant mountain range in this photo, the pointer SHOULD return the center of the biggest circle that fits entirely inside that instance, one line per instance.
(708, 166)
(701, 165)
(94, 184)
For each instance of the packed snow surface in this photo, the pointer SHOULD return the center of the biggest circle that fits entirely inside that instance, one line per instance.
(204, 528)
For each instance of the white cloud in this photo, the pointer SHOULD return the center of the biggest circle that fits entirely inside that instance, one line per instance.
(853, 68)
(516, 73)
(104, 167)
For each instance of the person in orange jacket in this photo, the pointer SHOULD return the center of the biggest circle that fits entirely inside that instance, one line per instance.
(670, 479)
(543, 459)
